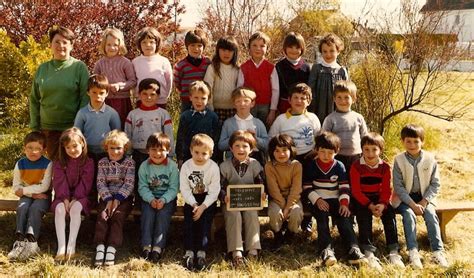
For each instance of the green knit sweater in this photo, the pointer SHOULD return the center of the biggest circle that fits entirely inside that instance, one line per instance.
(59, 90)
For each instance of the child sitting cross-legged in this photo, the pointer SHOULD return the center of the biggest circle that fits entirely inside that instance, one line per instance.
(241, 169)
(283, 175)
(115, 184)
(326, 189)
(199, 185)
(370, 178)
(31, 183)
(158, 183)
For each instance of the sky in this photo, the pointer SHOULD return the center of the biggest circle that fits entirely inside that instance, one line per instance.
(351, 8)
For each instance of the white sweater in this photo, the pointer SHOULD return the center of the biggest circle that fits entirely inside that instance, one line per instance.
(222, 87)
(198, 179)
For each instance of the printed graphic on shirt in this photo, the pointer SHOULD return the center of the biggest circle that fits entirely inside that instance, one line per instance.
(141, 127)
(306, 135)
(196, 182)
(159, 181)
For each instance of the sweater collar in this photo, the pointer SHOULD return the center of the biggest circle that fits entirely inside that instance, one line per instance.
(91, 109)
(203, 112)
(288, 113)
(362, 162)
(333, 65)
(325, 167)
(144, 108)
(164, 162)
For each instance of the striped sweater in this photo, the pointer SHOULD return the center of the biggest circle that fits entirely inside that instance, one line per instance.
(33, 177)
(115, 179)
(185, 73)
(326, 184)
(369, 181)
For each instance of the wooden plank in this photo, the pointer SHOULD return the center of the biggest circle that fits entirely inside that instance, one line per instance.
(8, 205)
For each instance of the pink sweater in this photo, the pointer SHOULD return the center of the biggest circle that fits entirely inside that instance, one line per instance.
(117, 69)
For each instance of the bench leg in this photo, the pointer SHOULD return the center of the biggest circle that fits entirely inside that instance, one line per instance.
(444, 218)
(217, 224)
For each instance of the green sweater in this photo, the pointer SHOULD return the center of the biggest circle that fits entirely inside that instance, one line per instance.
(59, 90)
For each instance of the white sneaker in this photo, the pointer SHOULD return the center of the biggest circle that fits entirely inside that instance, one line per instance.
(31, 249)
(396, 260)
(440, 259)
(415, 259)
(373, 262)
(17, 249)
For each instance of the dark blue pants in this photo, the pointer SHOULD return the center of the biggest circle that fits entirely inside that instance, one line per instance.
(197, 233)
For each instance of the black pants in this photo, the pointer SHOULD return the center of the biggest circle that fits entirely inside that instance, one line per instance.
(197, 233)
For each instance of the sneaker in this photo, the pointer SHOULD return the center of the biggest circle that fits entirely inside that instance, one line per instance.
(328, 257)
(110, 256)
(396, 260)
(415, 259)
(356, 257)
(440, 259)
(155, 256)
(17, 249)
(374, 262)
(200, 263)
(145, 254)
(189, 262)
(31, 249)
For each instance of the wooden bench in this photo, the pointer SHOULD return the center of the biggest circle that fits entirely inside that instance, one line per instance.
(446, 210)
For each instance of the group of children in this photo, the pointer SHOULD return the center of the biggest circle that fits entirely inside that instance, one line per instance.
(333, 169)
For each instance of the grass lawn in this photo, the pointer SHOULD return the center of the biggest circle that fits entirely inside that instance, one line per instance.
(454, 152)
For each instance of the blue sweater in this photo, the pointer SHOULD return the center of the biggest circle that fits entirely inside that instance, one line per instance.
(230, 126)
(192, 123)
(96, 124)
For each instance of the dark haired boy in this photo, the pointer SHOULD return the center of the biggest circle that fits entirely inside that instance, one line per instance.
(96, 119)
(416, 185)
(371, 191)
(31, 183)
(326, 188)
(147, 119)
(158, 183)
(193, 67)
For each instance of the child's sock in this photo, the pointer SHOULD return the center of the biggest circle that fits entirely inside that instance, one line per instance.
(148, 248)
(201, 254)
(189, 253)
(236, 253)
(368, 254)
(157, 249)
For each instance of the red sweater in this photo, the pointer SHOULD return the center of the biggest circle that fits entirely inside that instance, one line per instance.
(259, 79)
(366, 181)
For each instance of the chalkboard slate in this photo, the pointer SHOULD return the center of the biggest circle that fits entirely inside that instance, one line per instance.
(245, 197)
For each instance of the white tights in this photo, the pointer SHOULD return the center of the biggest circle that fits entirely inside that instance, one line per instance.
(60, 223)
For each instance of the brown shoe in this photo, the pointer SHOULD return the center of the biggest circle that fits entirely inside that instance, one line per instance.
(238, 261)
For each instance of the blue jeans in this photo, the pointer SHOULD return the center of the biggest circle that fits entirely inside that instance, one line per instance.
(29, 214)
(155, 224)
(432, 226)
(196, 233)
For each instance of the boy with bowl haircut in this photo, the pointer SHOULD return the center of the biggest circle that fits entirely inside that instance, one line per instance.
(31, 183)
(193, 67)
(199, 186)
(244, 100)
(416, 185)
(158, 183)
(326, 188)
(371, 191)
(198, 119)
(261, 76)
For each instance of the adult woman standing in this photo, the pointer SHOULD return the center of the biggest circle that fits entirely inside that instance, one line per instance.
(59, 90)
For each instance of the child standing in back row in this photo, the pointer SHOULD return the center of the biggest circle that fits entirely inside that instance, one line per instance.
(118, 70)
(222, 76)
(31, 183)
(152, 65)
(191, 68)
(323, 76)
(73, 176)
(261, 76)
(416, 185)
(292, 69)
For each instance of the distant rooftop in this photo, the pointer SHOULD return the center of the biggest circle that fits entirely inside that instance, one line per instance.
(447, 5)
